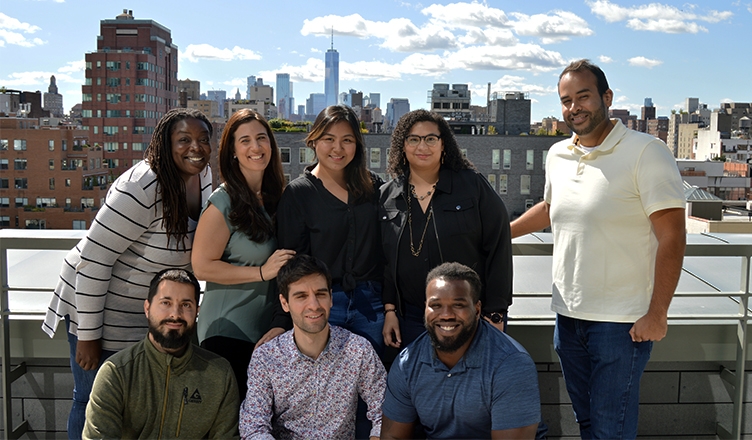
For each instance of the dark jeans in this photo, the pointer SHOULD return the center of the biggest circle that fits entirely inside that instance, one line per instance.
(82, 383)
(602, 368)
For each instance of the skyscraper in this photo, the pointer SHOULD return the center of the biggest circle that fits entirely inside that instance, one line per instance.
(251, 82)
(331, 75)
(284, 96)
(53, 101)
(131, 82)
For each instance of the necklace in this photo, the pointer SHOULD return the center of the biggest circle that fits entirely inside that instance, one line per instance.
(410, 225)
(421, 198)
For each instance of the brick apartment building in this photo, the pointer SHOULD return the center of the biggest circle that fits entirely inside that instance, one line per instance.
(50, 177)
(131, 82)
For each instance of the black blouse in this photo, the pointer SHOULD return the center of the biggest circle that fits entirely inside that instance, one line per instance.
(412, 284)
(345, 236)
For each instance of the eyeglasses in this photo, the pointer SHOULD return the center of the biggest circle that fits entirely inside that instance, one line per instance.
(431, 140)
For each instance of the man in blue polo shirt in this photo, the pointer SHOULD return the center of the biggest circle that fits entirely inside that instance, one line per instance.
(463, 378)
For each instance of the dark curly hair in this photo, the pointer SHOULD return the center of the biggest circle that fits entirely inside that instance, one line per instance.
(170, 184)
(245, 212)
(359, 182)
(453, 158)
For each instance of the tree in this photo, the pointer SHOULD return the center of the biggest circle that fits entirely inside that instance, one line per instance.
(492, 130)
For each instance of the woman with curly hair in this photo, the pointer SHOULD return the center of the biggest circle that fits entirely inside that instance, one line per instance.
(331, 213)
(436, 209)
(145, 225)
(235, 249)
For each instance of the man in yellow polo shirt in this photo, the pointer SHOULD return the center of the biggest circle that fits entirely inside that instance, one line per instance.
(615, 203)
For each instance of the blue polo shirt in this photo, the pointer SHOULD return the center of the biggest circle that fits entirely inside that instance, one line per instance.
(493, 387)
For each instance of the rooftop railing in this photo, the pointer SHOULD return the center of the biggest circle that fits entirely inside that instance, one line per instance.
(722, 299)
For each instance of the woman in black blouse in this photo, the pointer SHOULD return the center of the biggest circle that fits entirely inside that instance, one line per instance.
(438, 209)
(331, 213)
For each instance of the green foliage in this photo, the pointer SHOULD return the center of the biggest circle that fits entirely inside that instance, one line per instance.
(491, 130)
(283, 125)
(720, 158)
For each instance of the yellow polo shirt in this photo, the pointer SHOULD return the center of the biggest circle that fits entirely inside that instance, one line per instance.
(604, 246)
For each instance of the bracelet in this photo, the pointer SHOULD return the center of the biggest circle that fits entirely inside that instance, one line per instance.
(262, 274)
(389, 310)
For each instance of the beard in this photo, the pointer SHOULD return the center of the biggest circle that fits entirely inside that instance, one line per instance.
(452, 344)
(172, 339)
(595, 119)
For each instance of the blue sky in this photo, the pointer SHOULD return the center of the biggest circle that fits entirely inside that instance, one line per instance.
(667, 51)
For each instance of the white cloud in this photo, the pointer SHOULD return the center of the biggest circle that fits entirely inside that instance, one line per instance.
(35, 79)
(13, 31)
(196, 52)
(73, 66)
(605, 59)
(403, 36)
(467, 15)
(652, 17)
(311, 71)
(314, 50)
(559, 26)
(511, 83)
(644, 62)
(491, 37)
(352, 25)
(520, 57)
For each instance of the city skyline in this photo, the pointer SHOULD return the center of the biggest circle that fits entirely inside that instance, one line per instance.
(666, 51)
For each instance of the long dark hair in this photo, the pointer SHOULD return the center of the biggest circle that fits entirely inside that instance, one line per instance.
(170, 184)
(453, 158)
(245, 209)
(359, 182)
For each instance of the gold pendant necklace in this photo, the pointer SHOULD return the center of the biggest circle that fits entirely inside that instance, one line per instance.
(410, 226)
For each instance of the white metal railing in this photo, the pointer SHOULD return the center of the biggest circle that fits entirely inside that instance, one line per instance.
(714, 246)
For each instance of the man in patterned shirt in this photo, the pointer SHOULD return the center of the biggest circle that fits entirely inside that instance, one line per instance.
(305, 383)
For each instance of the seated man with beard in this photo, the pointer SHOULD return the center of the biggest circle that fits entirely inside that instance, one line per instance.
(463, 378)
(164, 386)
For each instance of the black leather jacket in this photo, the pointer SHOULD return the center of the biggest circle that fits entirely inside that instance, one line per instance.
(472, 228)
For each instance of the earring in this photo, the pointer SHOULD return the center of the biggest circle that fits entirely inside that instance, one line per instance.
(235, 157)
(404, 159)
(443, 155)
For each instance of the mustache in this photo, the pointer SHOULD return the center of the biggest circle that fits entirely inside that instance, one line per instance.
(174, 321)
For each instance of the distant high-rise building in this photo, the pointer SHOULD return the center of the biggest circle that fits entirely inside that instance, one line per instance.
(314, 104)
(301, 111)
(220, 96)
(648, 110)
(284, 96)
(131, 82)
(261, 92)
(452, 103)
(188, 90)
(510, 112)
(691, 104)
(251, 82)
(331, 75)
(237, 94)
(373, 100)
(352, 98)
(53, 101)
(395, 109)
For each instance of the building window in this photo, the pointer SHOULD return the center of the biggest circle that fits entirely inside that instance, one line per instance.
(87, 202)
(52, 183)
(36, 224)
(495, 159)
(4, 202)
(21, 202)
(138, 146)
(5, 220)
(99, 81)
(464, 152)
(530, 160)
(525, 184)
(19, 164)
(375, 157)
(306, 155)
(113, 65)
(110, 146)
(86, 97)
(19, 144)
(3, 183)
(67, 182)
(3, 144)
(21, 183)
(503, 180)
(492, 180)
(52, 164)
(507, 159)
(3, 164)
(51, 145)
(43, 202)
(545, 156)
(79, 224)
(284, 153)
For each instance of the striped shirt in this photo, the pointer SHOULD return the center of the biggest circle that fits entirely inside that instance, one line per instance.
(105, 278)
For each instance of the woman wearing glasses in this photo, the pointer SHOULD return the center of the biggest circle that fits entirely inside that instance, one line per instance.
(437, 209)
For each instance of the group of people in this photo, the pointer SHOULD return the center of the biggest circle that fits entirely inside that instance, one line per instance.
(310, 285)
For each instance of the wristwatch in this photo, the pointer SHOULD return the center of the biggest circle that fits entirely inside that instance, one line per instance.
(495, 317)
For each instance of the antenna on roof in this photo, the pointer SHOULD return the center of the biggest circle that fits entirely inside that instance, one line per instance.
(332, 37)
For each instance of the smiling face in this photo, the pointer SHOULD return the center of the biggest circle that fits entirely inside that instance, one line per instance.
(422, 157)
(335, 149)
(308, 302)
(191, 146)
(252, 147)
(584, 110)
(451, 316)
(172, 316)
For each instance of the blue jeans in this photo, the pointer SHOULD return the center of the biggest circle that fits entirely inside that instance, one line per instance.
(602, 368)
(360, 311)
(82, 383)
